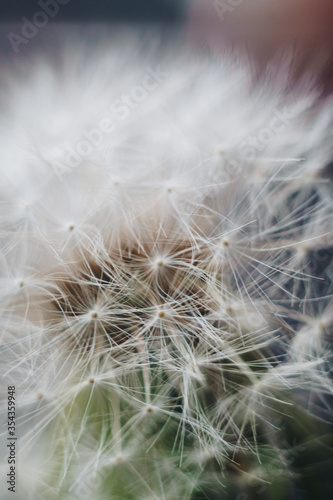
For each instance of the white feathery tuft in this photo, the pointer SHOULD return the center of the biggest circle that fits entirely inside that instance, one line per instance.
(165, 235)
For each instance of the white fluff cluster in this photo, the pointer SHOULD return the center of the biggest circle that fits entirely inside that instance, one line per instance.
(165, 273)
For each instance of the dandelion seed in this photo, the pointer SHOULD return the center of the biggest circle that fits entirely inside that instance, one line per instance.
(165, 309)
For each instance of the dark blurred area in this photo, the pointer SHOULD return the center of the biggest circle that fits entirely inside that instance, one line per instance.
(94, 10)
(30, 26)
(260, 30)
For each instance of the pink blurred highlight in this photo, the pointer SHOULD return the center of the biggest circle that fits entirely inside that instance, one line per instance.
(264, 29)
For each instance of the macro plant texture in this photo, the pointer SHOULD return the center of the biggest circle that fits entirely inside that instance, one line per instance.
(166, 299)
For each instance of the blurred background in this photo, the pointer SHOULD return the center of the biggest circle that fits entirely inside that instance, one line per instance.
(268, 30)
(262, 30)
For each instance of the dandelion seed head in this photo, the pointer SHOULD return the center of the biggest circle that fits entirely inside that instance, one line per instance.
(171, 312)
